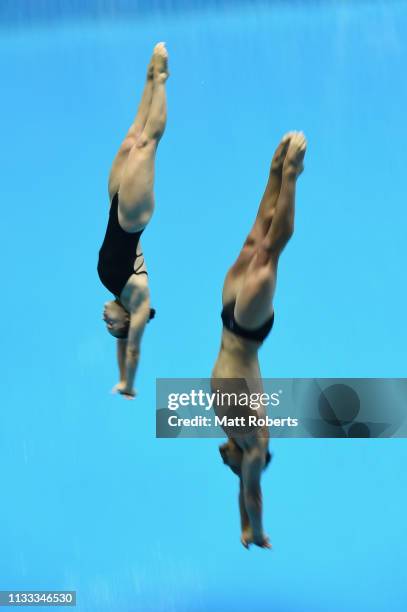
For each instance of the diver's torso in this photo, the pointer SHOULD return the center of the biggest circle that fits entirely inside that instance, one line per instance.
(238, 360)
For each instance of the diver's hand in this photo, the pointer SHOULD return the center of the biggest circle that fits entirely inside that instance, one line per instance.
(119, 387)
(128, 394)
(262, 541)
(123, 390)
(248, 538)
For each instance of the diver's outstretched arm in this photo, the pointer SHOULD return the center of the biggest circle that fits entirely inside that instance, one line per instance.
(121, 358)
(247, 533)
(252, 466)
(244, 517)
(121, 361)
(139, 316)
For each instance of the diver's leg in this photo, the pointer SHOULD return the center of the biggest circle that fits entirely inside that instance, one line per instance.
(136, 199)
(282, 227)
(261, 225)
(145, 103)
(254, 299)
(268, 202)
(133, 133)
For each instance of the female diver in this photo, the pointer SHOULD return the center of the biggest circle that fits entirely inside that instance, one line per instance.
(248, 317)
(121, 266)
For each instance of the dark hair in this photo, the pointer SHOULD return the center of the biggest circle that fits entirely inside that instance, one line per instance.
(268, 459)
(123, 334)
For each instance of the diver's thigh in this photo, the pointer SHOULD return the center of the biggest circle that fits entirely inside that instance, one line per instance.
(254, 300)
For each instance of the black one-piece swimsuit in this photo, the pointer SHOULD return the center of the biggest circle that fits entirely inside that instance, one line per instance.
(118, 253)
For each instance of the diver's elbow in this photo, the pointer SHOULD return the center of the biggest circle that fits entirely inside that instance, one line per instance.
(133, 353)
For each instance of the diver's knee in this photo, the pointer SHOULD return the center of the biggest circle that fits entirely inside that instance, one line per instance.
(152, 133)
(274, 244)
(264, 254)
(127, 143)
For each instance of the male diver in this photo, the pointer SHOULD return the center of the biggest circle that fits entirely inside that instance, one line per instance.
(121, 265)
(248, 317)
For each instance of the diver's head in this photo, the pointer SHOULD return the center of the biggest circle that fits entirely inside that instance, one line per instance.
(232, 456)
(116, 318)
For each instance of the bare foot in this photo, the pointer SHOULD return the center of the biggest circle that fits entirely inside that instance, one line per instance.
(293, 162)
(160, 59)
